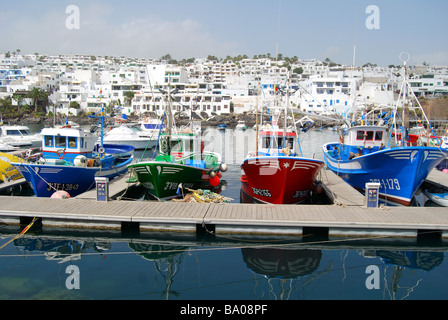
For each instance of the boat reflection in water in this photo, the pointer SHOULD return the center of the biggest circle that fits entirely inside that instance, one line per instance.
(167, 261)
(280, 267)
(170, 266)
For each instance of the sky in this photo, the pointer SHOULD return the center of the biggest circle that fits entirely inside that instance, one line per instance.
(199, 28)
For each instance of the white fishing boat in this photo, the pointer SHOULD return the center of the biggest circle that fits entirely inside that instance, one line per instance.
(130, 135)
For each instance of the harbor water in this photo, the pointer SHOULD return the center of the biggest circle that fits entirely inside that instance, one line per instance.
(107, 265)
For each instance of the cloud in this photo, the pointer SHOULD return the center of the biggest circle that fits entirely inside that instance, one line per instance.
(102, 32)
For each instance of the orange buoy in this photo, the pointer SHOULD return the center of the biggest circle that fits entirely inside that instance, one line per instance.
(215, 181)
(60, 194)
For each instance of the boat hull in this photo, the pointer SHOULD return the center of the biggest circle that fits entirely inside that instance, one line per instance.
(138, 144)
(399, 171)
(440, 198)
(162, 179)
(7, 171)
(279, 180)
(46, 179)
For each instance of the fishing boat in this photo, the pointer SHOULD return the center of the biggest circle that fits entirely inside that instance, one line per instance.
(71, 159)
(275, 173)
(368, 154)
(181, 162)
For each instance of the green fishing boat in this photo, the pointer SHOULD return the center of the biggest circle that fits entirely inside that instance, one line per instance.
(181, 163)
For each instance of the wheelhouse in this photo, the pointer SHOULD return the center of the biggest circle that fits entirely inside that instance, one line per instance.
(67, 143)
(366, 137)
(274, 142)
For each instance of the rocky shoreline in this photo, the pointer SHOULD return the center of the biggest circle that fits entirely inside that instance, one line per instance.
(230, 120)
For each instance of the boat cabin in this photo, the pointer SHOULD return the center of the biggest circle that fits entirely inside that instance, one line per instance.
(14, 131)
(274, 142)
(361, 140)
(67, 143)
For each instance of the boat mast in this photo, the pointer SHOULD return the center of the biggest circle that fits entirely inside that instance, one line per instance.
(256, 120)
(169, 120)
(285, 123)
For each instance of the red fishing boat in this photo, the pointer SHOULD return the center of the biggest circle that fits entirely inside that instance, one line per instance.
(275, 173)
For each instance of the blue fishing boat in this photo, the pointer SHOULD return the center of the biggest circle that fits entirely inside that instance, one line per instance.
(71, 159)
(368, 154)
(361, 157)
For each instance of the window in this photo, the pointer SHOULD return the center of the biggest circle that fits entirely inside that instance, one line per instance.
(360, 135)
(60, 142)
(13, 132)
(72, 142)
(369, 135)
(378, 136)
(49, 141)
(266, 142)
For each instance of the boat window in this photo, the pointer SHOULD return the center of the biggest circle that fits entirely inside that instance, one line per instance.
(72, 142)
(288, 142)
(13, 132)
(48, 141)
(176, 145)
(25, 132)
(378, 136)
(369, 135)
(360, 135)
(60, 142)
(279, 142)
(266, 141)
(291, 143)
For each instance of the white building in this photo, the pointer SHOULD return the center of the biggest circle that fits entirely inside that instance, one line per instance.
(206, 102)
(428, 85)
(328, 95)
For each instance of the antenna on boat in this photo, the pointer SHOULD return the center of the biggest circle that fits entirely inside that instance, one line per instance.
(356, 36)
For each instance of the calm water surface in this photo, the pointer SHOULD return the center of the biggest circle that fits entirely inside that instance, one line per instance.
(176, 266)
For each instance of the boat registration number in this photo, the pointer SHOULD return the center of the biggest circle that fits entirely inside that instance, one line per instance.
(261, 192)
(62, 186)
(392, 184)
(300, 194)
(175, 185)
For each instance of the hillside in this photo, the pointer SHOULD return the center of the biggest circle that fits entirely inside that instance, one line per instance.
(435, 108)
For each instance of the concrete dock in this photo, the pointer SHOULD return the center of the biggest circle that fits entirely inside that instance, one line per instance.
(346, 217)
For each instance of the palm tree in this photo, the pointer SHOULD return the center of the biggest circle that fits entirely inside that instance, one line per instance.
(18, 98)
(37, 94)
(128, 96)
